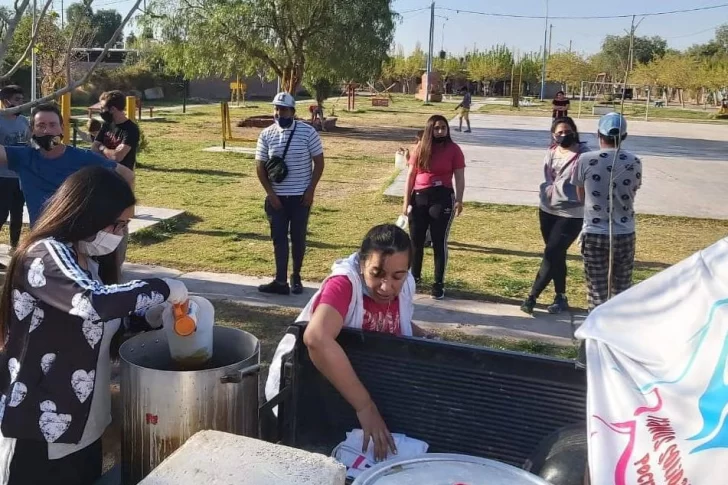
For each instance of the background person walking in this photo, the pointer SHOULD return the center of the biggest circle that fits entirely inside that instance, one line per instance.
(464, 108)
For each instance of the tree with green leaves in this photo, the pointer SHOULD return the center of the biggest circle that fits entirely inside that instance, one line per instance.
(614, 57)
(491, 66)
(714, 49)
(105, 23)
(449, 68)
(331, 39)
(569, 69)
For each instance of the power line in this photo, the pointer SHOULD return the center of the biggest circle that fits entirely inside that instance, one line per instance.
(695, 33)
(413, 10)
(587, 17)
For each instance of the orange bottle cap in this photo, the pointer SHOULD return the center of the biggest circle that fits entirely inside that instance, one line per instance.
(184, 325)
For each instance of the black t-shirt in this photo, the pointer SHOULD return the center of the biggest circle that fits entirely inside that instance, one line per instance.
(560, 102)
(126, 133)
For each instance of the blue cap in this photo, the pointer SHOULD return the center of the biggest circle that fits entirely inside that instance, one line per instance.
(612, 125)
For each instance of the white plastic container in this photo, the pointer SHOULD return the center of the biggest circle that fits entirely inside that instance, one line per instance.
(400, 158)
(193, 351)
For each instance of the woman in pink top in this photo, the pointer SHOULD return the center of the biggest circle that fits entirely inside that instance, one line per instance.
(429, 198)
(371, 290)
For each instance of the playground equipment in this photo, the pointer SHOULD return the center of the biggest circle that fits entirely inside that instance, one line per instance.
(237, 91)
(227, 126)
(351, 96)
(381, 98)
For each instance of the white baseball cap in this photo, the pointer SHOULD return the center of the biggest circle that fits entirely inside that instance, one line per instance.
(284, 99)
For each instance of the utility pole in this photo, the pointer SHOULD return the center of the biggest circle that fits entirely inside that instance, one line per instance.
(569, 46)
(33, 61)
(630, 55)
(429, 55)
(545, 40)
(62, 23)
(551, 31)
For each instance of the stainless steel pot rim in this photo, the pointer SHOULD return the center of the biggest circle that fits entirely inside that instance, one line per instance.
(370, 476)
(232, 366)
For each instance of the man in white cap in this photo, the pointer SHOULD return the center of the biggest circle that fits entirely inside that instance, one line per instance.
(607, 181)
(290, 161)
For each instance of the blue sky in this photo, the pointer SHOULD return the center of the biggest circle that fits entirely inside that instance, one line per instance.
(463, 31)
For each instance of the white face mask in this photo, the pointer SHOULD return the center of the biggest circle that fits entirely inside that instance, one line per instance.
(103, 243)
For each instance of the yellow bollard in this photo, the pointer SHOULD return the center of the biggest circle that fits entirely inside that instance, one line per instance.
(223, 124)
(131, 111)
(66, 114)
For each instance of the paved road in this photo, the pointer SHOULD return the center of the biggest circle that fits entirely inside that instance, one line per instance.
(685, 164)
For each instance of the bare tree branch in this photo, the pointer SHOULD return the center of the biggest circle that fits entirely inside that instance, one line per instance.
(31, 44)
(73, 85)
(10, 30)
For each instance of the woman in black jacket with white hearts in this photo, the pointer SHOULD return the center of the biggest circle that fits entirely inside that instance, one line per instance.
(58, 313)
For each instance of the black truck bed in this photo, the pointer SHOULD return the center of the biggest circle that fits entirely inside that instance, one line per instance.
(458, 398)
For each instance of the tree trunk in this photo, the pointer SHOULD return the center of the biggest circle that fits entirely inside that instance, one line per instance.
(681, 97)
(292, 76)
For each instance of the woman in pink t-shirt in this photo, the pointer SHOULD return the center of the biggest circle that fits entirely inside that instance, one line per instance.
(429, 198)
(372, 290)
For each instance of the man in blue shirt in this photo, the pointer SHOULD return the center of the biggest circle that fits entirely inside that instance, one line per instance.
(45, 165)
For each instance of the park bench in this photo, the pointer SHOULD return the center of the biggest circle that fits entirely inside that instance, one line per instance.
(458, 398)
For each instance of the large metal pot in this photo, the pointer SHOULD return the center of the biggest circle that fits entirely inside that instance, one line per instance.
(163, 407)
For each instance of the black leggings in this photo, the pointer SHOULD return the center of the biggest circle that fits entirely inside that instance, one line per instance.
(11, 203)
(431, 208)
(558, 234)
(30, 465)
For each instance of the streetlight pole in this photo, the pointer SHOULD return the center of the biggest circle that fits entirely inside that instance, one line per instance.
(429, 55)
(545, 40)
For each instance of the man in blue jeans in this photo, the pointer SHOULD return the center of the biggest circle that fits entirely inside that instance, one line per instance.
(288, 201)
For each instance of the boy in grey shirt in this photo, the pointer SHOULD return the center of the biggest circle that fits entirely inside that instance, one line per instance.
(592, 176)
(14, 130)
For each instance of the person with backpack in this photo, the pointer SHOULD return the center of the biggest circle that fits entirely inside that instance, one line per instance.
(561, 213)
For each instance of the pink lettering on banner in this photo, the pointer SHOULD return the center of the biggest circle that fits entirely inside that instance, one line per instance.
(630, 428)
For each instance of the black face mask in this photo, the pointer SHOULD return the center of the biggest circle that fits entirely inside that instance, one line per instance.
(107, 117)
(565, 141)
(439, 140)
(47, 142)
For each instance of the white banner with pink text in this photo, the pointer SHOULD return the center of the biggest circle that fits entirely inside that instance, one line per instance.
(656, 368)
